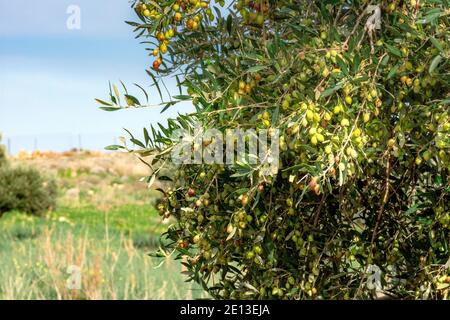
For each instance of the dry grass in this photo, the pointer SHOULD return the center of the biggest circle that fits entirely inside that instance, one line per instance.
(116, 164)
(36, 254)
(105, 225)
(104, 180)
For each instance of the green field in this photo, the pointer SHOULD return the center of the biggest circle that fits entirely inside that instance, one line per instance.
(111, 248)
(106, 227)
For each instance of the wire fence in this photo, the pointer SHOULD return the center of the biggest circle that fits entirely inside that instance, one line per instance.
(58, 142)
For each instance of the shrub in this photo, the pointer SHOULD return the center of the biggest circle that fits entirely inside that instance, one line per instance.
(363, 111)
(2, 153)
(25, 190)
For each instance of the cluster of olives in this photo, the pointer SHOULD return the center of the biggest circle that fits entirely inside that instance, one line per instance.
(189, 12)
(246, 86)
(253, 11)
(394, 5)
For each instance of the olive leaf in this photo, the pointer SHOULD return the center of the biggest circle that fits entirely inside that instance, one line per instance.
(435, 63)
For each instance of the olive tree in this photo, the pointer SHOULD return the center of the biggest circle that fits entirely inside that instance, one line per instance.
(359, 91)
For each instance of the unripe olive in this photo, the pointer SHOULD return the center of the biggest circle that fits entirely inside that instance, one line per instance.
(196, 239)
(348, 100)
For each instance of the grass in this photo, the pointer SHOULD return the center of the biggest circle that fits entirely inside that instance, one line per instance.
(110, 247)
(105, 225)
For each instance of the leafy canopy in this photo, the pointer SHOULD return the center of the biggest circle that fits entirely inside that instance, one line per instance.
(361, 96)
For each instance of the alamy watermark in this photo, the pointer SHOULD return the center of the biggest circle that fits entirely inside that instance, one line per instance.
(73, 282)
(374, 278)
(260, 149)
(73, 22)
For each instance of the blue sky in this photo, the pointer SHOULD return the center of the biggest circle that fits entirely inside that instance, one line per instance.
(50, 75)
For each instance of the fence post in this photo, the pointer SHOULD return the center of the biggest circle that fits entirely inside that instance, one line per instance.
(80, 147)
(9, 146)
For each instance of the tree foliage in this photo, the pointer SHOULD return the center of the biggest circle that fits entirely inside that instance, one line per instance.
(363, 107)
(25, 190)
(2, 152)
